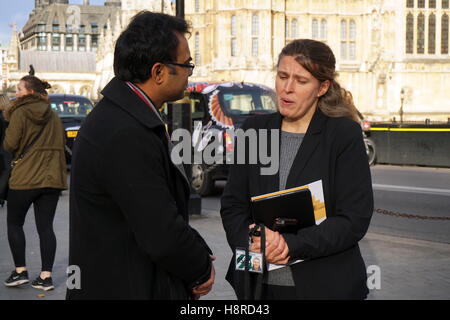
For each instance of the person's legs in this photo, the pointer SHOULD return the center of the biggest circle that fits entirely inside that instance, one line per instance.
(19, 201)
(44, 211)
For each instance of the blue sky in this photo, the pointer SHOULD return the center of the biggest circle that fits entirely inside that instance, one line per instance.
(18, 11)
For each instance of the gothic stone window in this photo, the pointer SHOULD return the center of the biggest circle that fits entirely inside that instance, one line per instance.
(315, 29)
(286, 31)
(426, 27)
(294, 29)
(444, 34)
(323, 30)
(197, 49)
(197, 5)
(233, 36)
(255, 33)
(348, 39)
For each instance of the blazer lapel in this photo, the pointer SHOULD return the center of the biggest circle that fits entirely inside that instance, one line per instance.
(309, 145)
(271, 183)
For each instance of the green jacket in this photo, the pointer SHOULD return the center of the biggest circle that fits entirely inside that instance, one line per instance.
(44, 165)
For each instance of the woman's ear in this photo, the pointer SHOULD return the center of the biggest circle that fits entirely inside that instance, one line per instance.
(324, 86)
(158, 72)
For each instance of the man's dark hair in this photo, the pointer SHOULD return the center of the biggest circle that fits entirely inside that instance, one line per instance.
(148, 39)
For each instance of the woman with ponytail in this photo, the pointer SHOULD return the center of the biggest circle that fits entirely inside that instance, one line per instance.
(320, 139)
(35, 137)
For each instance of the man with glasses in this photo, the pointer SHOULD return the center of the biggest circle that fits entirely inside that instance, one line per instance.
(129, 203)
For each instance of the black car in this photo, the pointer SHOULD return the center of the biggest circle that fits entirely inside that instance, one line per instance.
(72, 110)
(222, 106)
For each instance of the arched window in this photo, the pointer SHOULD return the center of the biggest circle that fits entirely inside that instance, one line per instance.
(286, 28)
(233, 36)
(197, 48)
(315, 29)
(294, 29)
(444, 34)
(352, 30)
(409, 33)
(233, 47)
(323, 30)
(344, 39)
(255, 47)
(233, 26)
(255, 32)
(421, 33)
(352, 42)
(255, 25)
(197, 5)
(432, 34)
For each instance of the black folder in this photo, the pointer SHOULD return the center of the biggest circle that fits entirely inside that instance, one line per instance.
(291, 205)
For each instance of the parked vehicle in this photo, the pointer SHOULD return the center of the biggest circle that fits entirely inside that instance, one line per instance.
(72, 109)
(368, 142)
(222, 106)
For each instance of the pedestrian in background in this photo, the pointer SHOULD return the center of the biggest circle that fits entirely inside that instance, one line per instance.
(128, 202)
(5, 157)
(321, 139)
(35, 137)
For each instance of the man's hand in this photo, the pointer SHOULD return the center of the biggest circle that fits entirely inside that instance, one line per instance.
(205, 288)
(277, 250)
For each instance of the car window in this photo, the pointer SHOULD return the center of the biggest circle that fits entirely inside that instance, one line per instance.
(71, 106)
(197, 106)
(247, 101)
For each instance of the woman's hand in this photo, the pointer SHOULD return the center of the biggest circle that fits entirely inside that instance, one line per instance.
(277, 250)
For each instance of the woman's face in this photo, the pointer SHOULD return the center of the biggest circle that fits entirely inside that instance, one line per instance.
(22, 90)
(297, 90)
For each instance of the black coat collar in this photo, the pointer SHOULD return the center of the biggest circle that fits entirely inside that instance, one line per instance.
(118, 92)
(310, 143)
(121, 94)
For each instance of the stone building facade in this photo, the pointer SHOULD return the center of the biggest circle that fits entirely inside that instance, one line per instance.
(389, 53)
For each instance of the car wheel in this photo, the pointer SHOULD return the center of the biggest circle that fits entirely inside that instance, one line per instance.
(371, 151)
(202, 181)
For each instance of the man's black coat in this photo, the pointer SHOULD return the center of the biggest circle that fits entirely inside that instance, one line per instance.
(333, 151)
(129, 231)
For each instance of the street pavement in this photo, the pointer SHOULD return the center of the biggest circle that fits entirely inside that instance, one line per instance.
(408, 268)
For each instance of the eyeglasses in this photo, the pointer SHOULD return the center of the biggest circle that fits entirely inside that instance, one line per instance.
(190, 66)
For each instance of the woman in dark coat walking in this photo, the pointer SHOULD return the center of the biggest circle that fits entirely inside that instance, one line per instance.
(320, 140)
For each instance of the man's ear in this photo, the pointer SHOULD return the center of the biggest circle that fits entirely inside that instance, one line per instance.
(158, 72)
(324, 86)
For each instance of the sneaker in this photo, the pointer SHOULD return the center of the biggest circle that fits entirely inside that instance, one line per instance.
(16, 279)
(43, 284)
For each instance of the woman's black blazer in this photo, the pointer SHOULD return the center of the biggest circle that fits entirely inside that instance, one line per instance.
(333, 151)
